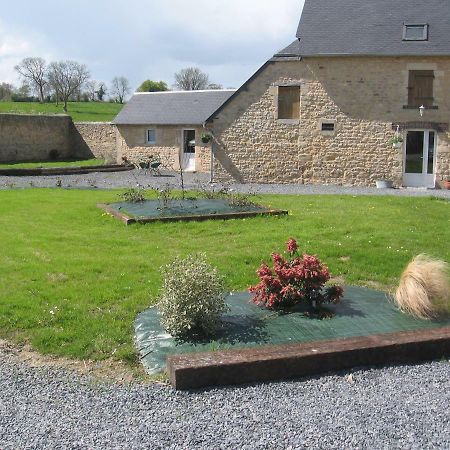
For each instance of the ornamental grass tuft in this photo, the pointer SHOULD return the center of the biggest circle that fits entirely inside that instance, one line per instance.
(424, 289)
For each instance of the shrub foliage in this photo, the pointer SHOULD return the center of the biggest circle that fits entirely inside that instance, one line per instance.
(192, 298)
(292, 280)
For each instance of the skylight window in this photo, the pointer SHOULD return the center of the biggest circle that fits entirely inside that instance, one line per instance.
(415, 32)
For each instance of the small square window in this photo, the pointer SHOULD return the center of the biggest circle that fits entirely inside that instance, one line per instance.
(415, 32)
(151, 136)
(327, 126)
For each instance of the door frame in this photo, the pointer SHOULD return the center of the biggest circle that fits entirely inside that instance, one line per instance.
(426, 138)
(194, 158)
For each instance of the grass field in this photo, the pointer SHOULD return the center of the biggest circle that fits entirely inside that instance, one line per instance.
(80, 111)
(34, 165)
(73, 279)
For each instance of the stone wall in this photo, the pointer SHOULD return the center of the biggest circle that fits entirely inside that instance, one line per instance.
(364, 96)
(34, 137)
(95, 139)
(131, 144)
(26, 137)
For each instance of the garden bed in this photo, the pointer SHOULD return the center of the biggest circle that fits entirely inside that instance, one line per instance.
(70, 170)
(363, 313)
(183, 210)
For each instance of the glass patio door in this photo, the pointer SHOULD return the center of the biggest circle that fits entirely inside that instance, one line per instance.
(420, 152)
(188, 151)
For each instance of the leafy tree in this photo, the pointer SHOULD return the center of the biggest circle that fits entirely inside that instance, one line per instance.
(191, 79)
(33, 70)
(153, 86)
(120, 87)
(101, 91)
(214, 86)
(67, 78)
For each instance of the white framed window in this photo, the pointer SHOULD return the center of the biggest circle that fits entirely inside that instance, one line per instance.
(415, 32)
(151, 136)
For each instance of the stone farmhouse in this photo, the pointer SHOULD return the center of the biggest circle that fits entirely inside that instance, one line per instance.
(168, 126)
(327, 107)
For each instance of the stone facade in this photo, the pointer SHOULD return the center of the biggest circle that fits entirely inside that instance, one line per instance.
(363, 96)
(132, 145)
(97, 139)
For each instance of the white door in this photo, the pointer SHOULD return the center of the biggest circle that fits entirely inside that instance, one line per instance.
(420, 155)
(188, 151)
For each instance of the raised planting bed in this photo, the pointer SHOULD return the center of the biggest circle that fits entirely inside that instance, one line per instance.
(255, 344)
(183, 210)
(46, 171)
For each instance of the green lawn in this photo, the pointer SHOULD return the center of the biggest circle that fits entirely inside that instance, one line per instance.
(74, 278)
(48, 164)
(80, 111)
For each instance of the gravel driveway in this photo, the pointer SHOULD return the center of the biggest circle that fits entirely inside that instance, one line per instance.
(139, 177)
(396, 407)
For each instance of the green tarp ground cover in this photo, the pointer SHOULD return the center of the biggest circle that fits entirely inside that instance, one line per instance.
(362, 312)
(180, 208)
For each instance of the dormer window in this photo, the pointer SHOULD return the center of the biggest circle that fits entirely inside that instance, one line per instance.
(415, 32)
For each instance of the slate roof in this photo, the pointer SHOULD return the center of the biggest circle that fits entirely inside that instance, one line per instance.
(370, 27)
(172, 107)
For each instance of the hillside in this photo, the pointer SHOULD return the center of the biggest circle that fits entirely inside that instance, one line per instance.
(79, 111)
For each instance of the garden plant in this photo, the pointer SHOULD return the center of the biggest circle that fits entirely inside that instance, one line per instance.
(192, 297)
(100, 274)
(293, 280)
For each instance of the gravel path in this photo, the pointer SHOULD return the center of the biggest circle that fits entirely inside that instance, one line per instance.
(139, 177)
(396, 407)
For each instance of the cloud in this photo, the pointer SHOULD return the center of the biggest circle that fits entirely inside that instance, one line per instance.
(15, 46)
(152, 38)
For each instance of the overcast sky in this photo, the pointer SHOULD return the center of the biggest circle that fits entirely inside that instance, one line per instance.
(149, 39)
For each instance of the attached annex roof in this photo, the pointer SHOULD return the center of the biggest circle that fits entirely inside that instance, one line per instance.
(172, 107)
(370, 27)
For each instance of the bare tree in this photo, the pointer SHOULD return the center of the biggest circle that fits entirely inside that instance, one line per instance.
(67, 77)
(91, 90)
(33, 70)
(191, 79)
(6, 92)
(120, 87)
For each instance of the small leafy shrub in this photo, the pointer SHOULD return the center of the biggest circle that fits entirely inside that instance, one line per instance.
(165, 196)
(192, 298)
(134, 195)
(206, 138)
(210, 193)
(53, 155)
(294, 280)
(241, 199)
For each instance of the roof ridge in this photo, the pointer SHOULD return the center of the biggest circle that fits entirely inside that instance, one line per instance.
(185, 92)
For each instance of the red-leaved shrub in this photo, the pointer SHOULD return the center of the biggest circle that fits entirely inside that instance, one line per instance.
(294, 280)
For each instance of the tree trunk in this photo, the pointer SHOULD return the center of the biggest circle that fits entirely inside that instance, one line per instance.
(41, 93)
(65, 105)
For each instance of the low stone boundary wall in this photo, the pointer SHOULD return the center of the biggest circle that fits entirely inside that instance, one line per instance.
(26, 137)
(35, 137)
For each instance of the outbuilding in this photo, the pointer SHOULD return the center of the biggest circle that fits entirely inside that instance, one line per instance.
(168, 126)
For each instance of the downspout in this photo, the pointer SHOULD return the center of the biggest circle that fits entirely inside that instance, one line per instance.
(211, 176)
(211, 162)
